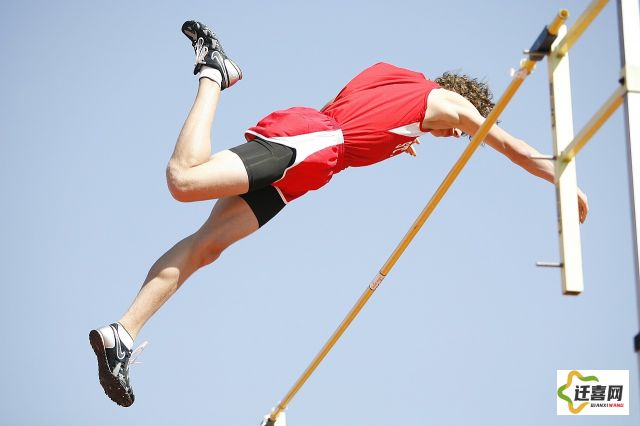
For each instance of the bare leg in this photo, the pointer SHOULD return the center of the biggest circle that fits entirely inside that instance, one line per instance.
(230, 221)
(193, 174)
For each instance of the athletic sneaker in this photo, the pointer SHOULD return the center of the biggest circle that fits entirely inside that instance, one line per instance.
(209, 52)
(112, 345)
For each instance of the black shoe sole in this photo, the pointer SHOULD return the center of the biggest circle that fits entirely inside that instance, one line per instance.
(111, 385)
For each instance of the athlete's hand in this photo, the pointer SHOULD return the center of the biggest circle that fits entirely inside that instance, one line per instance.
(411, 150)
(583, 206)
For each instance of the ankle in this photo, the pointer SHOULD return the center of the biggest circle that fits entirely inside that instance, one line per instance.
(129, 328)
(207, 75)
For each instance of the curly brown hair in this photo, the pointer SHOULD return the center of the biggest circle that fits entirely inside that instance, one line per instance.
(475, 91)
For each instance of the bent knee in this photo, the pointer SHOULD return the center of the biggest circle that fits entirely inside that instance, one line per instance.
(208, 252)
(178, 183)
(208, 257)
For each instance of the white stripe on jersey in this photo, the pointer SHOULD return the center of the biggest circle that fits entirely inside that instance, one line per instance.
(410, 130)
(308, 143)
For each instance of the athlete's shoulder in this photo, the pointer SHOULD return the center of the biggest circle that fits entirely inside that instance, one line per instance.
(446, 108)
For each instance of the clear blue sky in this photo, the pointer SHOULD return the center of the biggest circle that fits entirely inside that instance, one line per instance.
(465, 330)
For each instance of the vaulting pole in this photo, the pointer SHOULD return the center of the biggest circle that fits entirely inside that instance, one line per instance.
(526, 68)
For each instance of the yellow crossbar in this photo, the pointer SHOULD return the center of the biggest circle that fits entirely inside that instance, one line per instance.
(581, 24)
(598, 119)
(525, 69)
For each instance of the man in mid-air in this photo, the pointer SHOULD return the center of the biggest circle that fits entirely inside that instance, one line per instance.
(379, 114)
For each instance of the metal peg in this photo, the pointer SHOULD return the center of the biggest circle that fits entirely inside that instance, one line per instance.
(543, 157)
(549, 264)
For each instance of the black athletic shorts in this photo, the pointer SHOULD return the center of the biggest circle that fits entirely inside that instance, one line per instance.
(265, 162)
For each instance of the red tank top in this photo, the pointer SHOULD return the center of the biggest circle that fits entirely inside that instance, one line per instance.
(380, 112)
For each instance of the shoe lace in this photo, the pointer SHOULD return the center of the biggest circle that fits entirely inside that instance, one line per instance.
(201, 52)
(133, 358)
(122, 370)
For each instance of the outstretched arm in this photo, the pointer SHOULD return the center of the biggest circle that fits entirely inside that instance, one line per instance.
(516, 150)
(469, 120)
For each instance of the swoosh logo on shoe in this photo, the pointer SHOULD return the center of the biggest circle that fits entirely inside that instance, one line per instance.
(119, 352)
(218, 58)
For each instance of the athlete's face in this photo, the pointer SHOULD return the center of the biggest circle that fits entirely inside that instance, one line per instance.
(445, 133)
